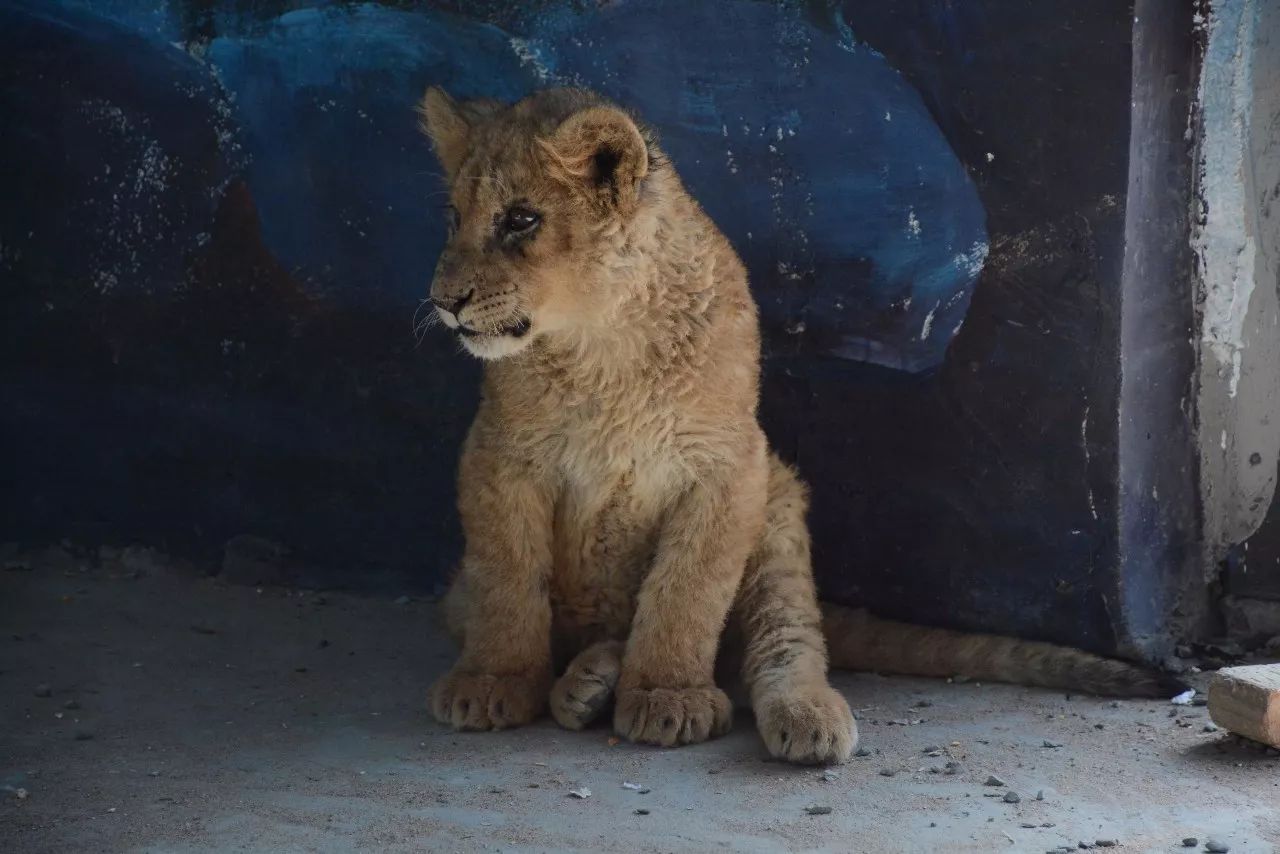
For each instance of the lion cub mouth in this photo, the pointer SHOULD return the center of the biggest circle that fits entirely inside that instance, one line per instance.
(517, 328)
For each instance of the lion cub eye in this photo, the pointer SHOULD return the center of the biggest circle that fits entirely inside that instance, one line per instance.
(520, 220)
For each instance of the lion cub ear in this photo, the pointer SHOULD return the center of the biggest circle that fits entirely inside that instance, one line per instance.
(601, 152)
(449, 124)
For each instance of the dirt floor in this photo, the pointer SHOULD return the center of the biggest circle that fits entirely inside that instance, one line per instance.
(147, 708)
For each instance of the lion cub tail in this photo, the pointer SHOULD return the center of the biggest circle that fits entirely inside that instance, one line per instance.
(858, 641)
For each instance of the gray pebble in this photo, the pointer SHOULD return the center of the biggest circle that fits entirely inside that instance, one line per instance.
(1105, 843)
(1026, 825)
(887, 772)
(71, 704)
(1213, 846)
(862, 751)
(993, 780)
(952, 768)
(1051, 744)
(43, 690)
(932, 748)
(1190, 842)
(642, 811)
(1040, 794)
(83, 735)
(1012, 798)
(816, 810)
(402, 600)
(1210, 728)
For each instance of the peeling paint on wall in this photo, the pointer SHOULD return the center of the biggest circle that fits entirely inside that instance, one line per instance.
(1237, 243)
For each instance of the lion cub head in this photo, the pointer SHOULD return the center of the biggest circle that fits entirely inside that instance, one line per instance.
(540, 192)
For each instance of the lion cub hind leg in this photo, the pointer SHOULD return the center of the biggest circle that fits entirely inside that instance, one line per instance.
(581, 695)
(799, 715)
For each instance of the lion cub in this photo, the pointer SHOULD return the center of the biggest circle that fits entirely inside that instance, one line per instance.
(618, 497)
(622, 510)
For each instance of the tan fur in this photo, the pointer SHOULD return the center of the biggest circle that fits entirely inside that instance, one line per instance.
(620, 505)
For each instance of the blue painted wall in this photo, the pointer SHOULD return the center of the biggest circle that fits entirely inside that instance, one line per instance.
(226, 218)
(860, 226)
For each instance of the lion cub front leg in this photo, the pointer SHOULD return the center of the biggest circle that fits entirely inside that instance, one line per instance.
(666, 693)
(503, 675)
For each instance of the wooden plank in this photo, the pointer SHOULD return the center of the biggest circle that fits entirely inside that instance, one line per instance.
(1246, 700)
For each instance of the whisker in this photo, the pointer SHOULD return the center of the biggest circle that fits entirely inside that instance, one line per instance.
(421, 327)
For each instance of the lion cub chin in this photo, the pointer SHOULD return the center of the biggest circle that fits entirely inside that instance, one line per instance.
(626, 524)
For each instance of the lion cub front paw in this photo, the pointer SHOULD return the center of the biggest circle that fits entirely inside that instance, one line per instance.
(807, 725)
(481, 701)
(672, 716)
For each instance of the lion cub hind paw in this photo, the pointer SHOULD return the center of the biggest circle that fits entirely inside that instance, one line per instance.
(480, 701)
(672, 716)
(583, 692)
(811, 727)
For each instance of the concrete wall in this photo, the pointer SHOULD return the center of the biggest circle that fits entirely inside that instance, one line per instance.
(1237, 241)
(966, 225)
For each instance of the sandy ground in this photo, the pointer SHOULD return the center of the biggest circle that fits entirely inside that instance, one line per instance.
(183, 714)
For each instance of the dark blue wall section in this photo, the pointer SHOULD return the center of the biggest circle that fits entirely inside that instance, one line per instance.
(820, 162)
(225, 218)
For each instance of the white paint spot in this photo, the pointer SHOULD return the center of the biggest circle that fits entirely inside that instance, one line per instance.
(973, 260)
(1224, 440)
(990, 156)
(913, 224)
(530, 57)
(1084, 445)
(888, 116)
(927, 328)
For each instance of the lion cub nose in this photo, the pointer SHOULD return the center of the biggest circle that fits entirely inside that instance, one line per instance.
(453, 305)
